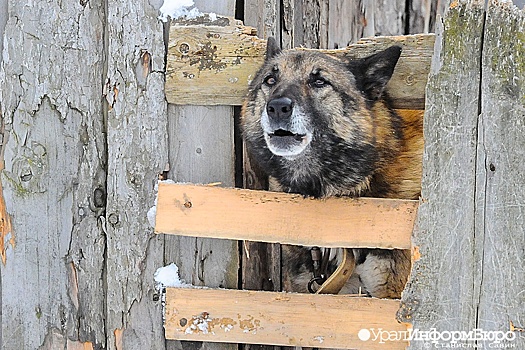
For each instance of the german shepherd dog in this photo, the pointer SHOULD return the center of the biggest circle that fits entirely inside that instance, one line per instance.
(321, 126)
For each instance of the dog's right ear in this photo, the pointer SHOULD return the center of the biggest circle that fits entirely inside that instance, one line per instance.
(272, 48)
(373, 73)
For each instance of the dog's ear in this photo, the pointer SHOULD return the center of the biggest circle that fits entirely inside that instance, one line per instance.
(373, 73)
(272, 48)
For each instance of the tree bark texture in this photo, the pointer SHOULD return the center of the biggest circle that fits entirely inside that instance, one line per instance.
(54, 179)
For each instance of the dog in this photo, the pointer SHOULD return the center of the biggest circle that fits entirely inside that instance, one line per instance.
(322, 126)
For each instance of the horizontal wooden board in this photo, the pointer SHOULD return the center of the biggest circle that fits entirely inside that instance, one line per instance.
(288, 319)
(276, 217)
(212, 62)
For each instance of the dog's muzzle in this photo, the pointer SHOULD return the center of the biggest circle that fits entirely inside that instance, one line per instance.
(285, 128)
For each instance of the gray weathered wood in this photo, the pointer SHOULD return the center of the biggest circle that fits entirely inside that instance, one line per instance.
(263, 15)
(345, 23)
(137, 152)
(303, 23)
(3, 21)
(384, 17)
(422, 15)
(202, 151)
(78, 269)
(54, 178)
(500, 224)
(349, 21)
(419, 16)
(440, 291)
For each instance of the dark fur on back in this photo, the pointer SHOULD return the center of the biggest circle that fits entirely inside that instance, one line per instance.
(320, 126)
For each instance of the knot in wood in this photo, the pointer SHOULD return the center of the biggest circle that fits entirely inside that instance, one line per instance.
(184, 48)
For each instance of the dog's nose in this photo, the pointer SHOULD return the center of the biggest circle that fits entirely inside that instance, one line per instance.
(279, 108)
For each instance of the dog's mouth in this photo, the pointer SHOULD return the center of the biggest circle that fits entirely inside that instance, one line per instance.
(285, 133)
(285, 143)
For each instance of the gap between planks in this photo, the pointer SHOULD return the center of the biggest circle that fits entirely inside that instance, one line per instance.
(276, 217)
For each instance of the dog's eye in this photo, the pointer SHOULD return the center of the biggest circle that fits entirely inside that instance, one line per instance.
(270, 80)
(319, 83)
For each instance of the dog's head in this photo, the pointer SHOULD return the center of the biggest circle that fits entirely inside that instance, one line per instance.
(302, 102)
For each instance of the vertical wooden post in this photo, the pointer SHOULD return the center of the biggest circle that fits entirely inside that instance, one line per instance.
(469, 232)
(500, 230)
(54, 179)
(137, 154)
(202, 151)
(3, 20)
(440, 291)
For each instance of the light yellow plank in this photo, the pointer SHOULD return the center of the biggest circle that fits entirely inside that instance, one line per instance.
(212, 63)
(205, 211)
(289, 319)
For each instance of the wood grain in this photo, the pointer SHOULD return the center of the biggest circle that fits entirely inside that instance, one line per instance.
(440, 291)
(201, 140)
(136, 122)
(500, 233)
(206, 211)
(212, 64)
(53, 148)
(321, 321)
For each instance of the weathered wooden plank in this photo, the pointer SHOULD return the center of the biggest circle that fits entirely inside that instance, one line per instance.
(336, 24)
(500, 230)
(213, 64)
(423, 14)
(221, 54)
(408, 83)
(207, 211)
(440, 291)
(345, 23)
(3, 21)
(201, 140)
(384, 17)
(419, 15)
(54, 152)
(265, 16)
(223, 8)
(202, 150)
(349, 21)
(137, 153)
(292, 319)
(304, 23)
(291, 23)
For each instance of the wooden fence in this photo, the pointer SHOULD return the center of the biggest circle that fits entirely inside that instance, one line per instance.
(86, 131)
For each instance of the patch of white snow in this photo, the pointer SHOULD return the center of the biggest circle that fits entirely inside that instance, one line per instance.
(178, 8)
(168, 276)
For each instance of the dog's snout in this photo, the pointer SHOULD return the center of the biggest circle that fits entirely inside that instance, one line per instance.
(279, 108)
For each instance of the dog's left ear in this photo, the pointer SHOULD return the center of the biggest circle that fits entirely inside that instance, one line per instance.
(374, 72)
